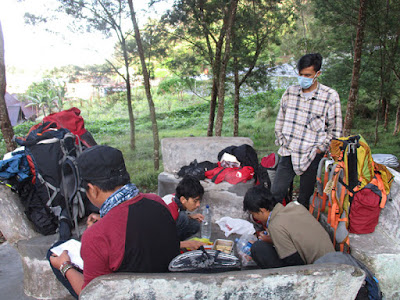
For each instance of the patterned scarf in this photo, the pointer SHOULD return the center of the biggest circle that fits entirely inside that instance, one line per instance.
(125, 193)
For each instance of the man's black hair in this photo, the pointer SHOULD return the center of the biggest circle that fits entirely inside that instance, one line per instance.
(308, 60)
(258, 197)
(109, 184)
(189, 187)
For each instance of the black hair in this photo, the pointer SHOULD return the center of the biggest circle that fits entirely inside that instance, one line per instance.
(189, 187)
(308, 60)
(109, 184)
(258, 197)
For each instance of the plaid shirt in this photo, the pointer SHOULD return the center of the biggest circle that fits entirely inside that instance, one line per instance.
(304, 125)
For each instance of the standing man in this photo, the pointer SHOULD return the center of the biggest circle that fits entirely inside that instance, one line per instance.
(134, 232)
(309, 117)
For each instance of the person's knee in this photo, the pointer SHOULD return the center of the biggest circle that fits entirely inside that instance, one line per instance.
(265, 255)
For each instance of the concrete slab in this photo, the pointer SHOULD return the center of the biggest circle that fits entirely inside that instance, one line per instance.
(11, 274)
(303, 282)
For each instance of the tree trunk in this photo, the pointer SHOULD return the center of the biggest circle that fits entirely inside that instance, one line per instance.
(127, 79)
(213, 105)
(351, 103)
(397, 124)
(216, 67)
(222, 76)
(236, 101)
(386, 116)
(146, 79)
(6, 128)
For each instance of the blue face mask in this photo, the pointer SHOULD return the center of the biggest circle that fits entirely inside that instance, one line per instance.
(305, 82)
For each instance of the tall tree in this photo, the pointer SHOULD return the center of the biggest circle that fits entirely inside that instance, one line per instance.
(107, 16)
(384, 30)
(203, 24)
(351, 102)
(146, 79)
(257, 29)
(222, 76)
(6, 128)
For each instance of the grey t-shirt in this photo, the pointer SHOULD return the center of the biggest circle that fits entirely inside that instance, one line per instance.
(293, 229)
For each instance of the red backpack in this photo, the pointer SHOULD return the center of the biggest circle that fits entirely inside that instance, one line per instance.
(364, 210)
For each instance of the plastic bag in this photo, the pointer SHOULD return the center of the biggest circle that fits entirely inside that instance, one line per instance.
(229, 225)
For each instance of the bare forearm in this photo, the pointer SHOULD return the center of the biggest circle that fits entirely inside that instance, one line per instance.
(75, 278)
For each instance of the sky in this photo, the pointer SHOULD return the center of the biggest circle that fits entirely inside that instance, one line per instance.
(33, 48)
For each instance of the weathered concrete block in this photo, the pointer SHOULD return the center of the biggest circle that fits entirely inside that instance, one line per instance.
(305, 282)
(224, 198)
(14, 224)
(39, 279)
(179, 152)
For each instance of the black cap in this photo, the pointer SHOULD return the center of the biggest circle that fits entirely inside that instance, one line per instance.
(100, 163)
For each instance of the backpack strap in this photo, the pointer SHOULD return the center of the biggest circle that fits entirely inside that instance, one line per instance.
(320, 198)
(339, 213)
(72, 192)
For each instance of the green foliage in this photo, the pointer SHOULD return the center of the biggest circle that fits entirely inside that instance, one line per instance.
(47, 94)
(175, 85)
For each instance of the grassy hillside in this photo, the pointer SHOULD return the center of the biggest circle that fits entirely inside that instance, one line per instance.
(109, 125)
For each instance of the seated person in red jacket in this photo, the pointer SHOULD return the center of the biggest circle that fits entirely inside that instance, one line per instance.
(123, 238)
(294, 236)
(187, 197)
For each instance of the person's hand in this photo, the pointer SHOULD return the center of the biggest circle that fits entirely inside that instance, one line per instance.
(264, 236)
(198, 217)
(93, 218)
(192, 245)
(57, 261)
(319, 151)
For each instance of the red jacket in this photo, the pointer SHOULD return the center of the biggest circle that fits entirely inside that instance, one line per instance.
(231, 175)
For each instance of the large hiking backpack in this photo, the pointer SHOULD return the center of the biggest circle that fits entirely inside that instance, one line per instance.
(353, 169)
(71, 120)
(56, 197)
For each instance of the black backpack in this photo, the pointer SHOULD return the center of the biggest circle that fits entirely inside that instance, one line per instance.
(56, 196)
(196, 169)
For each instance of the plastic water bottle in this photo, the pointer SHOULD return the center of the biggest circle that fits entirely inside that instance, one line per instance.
(206, 224)
(243, 247)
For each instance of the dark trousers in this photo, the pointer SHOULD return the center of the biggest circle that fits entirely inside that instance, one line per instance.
(58, 274)
(284, 177)
(265, 255)
(186, 226)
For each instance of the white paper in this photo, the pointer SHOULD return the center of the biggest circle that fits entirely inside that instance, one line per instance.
(74, 251)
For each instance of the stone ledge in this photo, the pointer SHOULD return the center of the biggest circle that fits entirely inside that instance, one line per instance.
(39, 279)
(179, 152)
(305, 282)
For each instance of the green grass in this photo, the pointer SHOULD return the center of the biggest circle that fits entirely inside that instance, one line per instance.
(109, 124)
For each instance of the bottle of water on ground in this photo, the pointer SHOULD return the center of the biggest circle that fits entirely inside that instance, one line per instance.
(206, 224)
